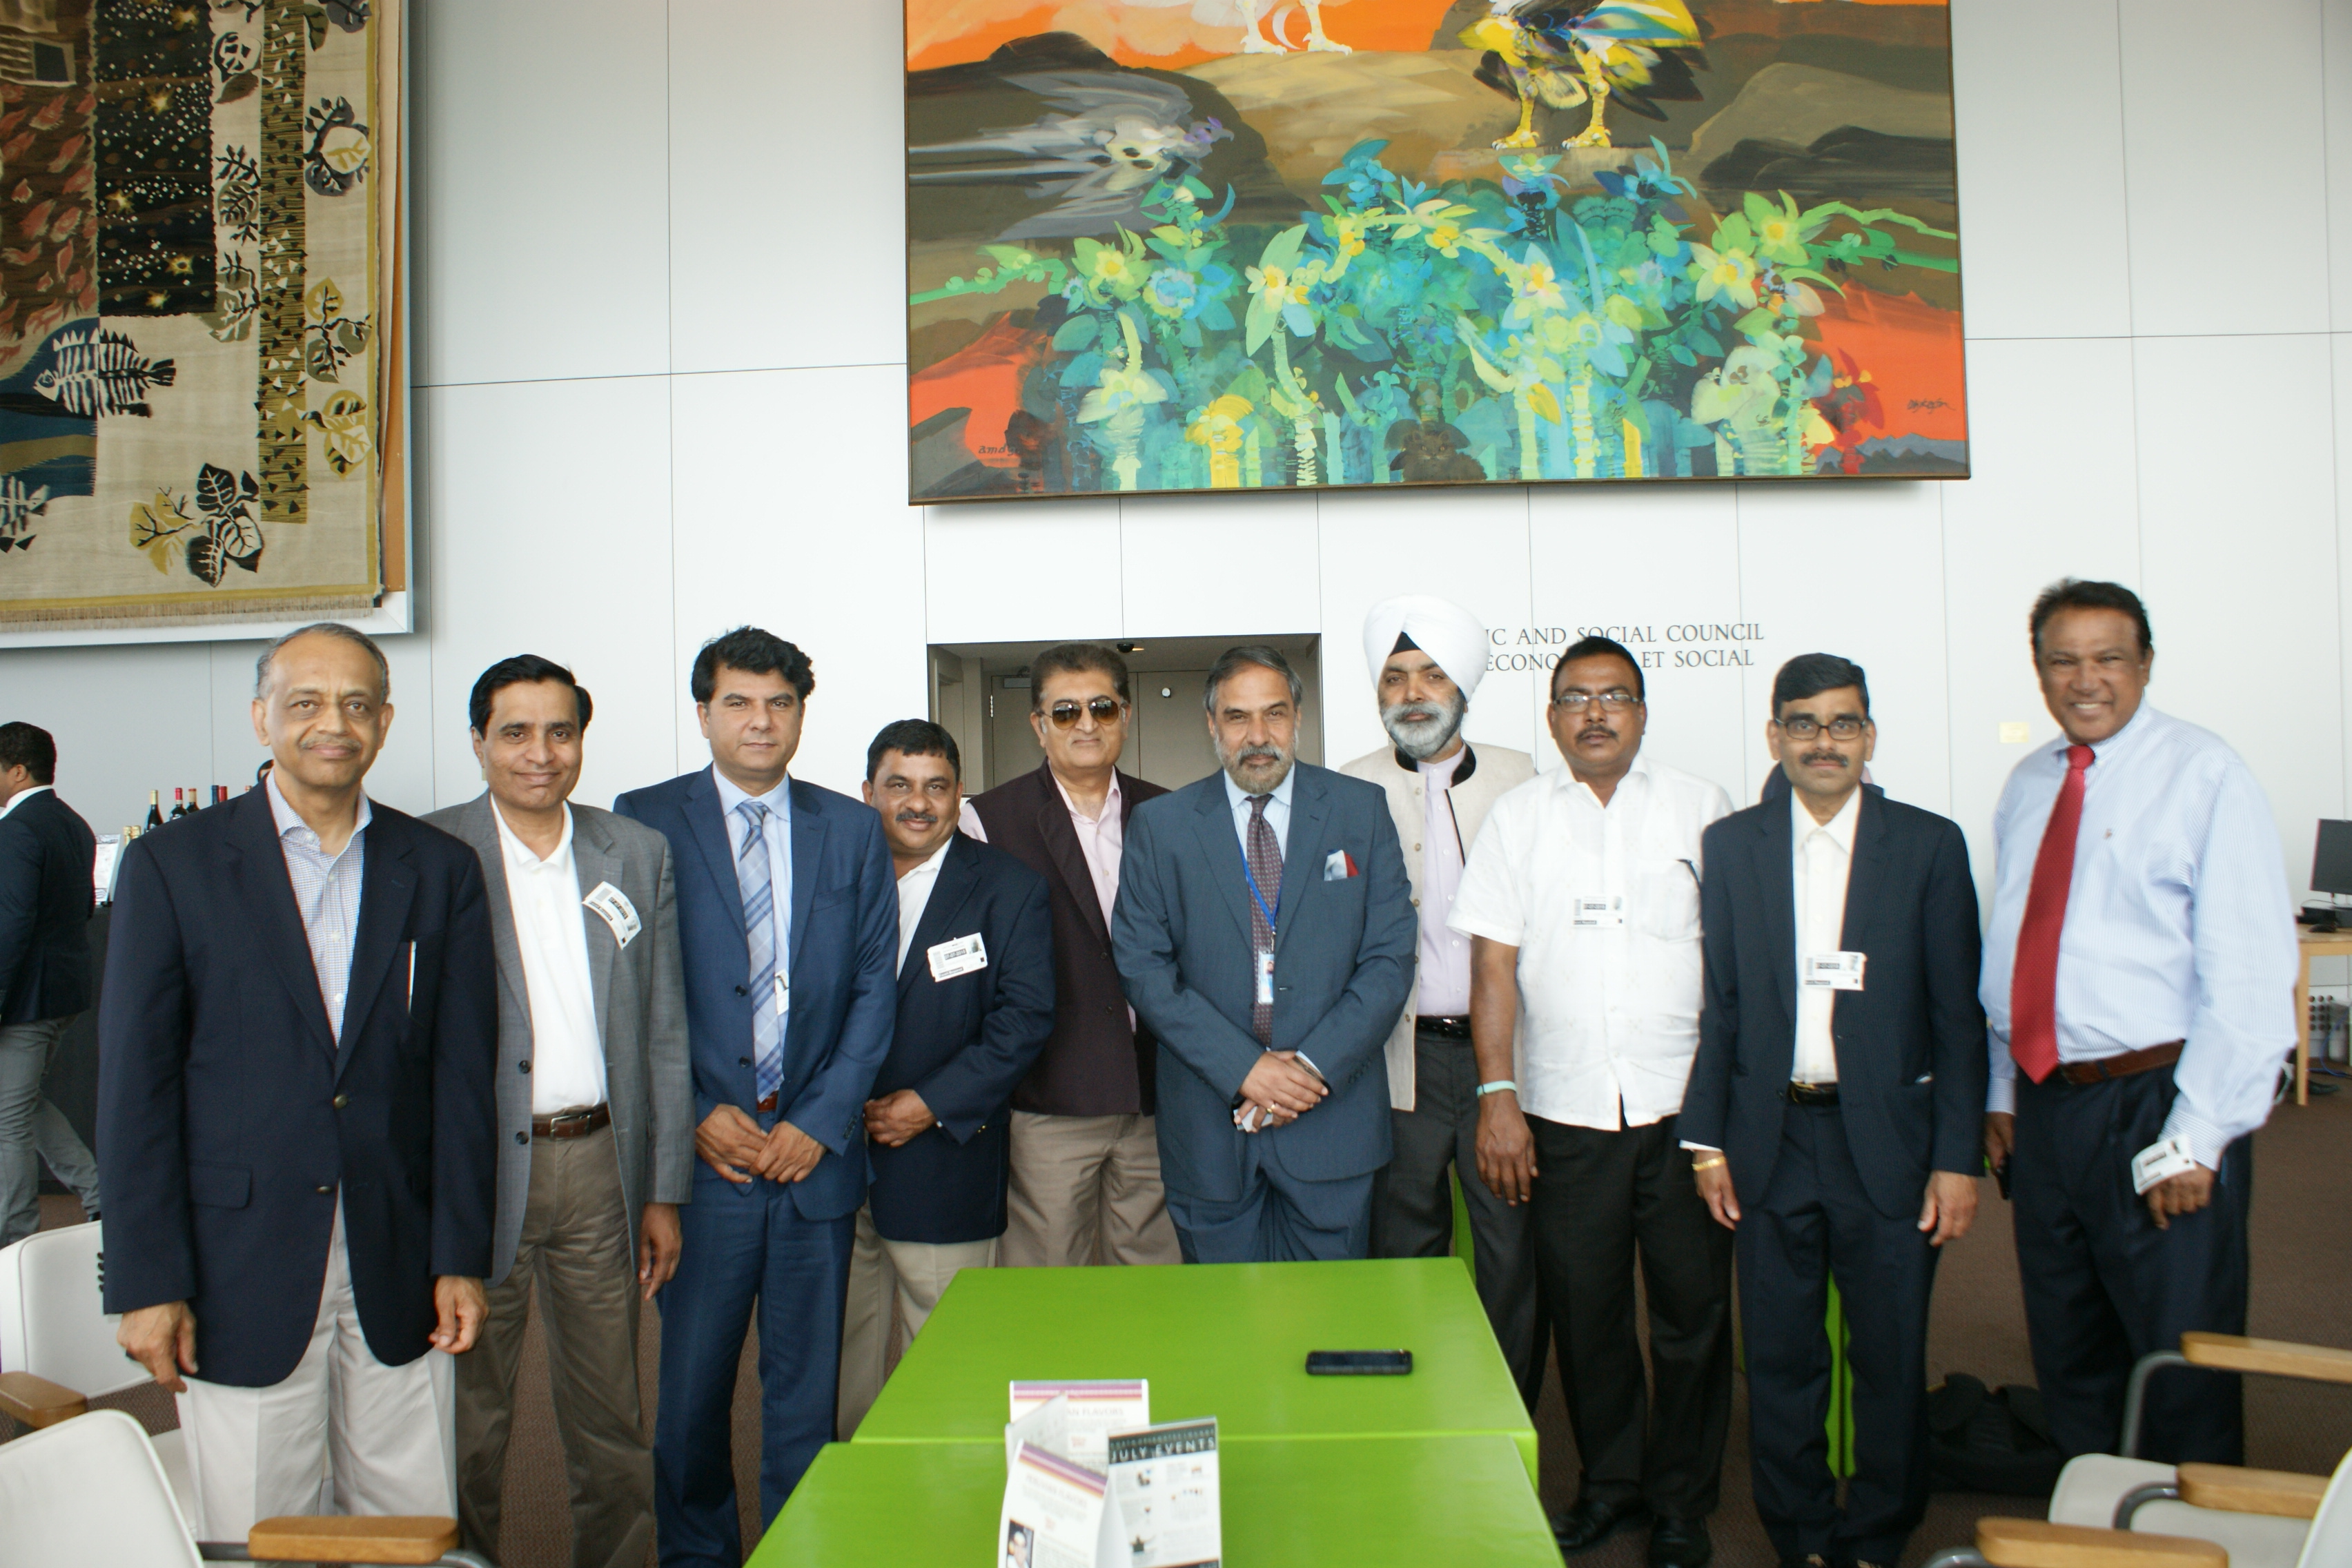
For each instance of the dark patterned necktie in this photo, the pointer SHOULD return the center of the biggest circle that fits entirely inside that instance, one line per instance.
(1265, 870)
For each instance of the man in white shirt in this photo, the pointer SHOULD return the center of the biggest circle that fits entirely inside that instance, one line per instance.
(595, 1118)
(1426, 657)
(1581, 900)
(2137, 971)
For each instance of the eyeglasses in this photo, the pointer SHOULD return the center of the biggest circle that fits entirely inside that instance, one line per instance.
(1804, 729)
(1065, 714)
(1616, 700)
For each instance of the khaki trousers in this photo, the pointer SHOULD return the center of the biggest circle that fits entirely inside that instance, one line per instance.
(908, 1276)
(342, 1433)
(1085, 1189)
(575, 1244)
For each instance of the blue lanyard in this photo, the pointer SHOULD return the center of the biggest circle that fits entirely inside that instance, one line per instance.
(1271, 931)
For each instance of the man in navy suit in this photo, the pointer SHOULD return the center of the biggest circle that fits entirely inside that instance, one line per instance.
(789, 928)
(1266, 932)
(975, 1008)
(296, 1123)
(1832, 1107)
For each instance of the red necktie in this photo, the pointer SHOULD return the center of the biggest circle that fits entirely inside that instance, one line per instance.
(2034, 982)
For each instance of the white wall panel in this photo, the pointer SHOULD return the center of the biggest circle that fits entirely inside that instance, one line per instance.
(550, 511)
(2039, 126)
(2187, 131)
(540, 196)
(787, 216)
(1017, 571)
(821, 553)
(2336, 62)
(1851, 568)
(2240, 540)
(1220, 566)
(1469, 546)
(1658, 571)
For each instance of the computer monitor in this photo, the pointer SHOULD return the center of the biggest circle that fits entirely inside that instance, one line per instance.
(2331, 860)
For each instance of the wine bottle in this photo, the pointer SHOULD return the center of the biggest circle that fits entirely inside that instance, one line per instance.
(179, 806)
(154, 809)
(220, 794)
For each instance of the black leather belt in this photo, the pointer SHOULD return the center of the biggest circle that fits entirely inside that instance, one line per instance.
(1813, 1093)
(571, 1123)
(2081, 1074)
(1443, 1027)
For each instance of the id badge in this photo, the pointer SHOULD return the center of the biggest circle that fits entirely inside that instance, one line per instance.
(962, 956)
(2161, 1162)
(784, 994)
(1262, 964)
(1834, 971)
(612, 906)
(1598, 914)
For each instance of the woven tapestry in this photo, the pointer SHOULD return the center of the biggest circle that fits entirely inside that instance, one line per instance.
(197, 381)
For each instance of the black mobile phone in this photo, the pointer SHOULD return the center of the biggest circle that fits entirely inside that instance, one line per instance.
(1359, 1364)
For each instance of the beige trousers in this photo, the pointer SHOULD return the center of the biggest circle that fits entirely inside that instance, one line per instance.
(342, 1433)
(908, 1276)
(1085, 1189)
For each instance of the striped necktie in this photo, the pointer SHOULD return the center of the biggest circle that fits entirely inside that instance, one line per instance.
(1266, 872)
(754, 875)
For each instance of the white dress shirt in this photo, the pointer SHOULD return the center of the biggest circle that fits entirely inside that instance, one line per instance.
(22, 796)
(779, 825)
(1278, 814)
(915, 895)
(1824, 855)
(567, 1054)
(2179, 925)
(1608, 1012)
(1443, 985)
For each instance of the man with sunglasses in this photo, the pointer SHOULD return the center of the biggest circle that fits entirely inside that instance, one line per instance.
(1581, 901)
(1085, 1148)
(1833, 1109)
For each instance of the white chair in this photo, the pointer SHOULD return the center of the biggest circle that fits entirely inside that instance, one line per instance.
(89, 1492)
(54, 1326)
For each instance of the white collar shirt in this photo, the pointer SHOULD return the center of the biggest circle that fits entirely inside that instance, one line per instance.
(21, 796)
(1444, 978)
(1609, 998)
(327, 891)
(1823, 857)
(567, 1055)
(915, 894)
(778, 824)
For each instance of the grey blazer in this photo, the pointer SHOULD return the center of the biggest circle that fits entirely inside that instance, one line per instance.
(640, 1010)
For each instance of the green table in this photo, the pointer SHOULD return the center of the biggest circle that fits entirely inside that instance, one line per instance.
(1223, 1340)
(1364, 1503)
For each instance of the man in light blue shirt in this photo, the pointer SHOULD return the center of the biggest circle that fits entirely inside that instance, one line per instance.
(2137, 971)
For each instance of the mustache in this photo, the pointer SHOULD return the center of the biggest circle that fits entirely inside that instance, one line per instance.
(914, 818)
(1832, 758)
(1259, 754)
(1591, 730)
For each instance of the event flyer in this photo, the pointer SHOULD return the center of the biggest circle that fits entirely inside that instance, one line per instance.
(1164, 1491)
(1097, 1406)
(1056, 1514)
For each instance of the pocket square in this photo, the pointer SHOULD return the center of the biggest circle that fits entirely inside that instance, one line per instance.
(1341, 865)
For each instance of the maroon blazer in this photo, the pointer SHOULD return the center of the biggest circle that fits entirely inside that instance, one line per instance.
(1095, 1064)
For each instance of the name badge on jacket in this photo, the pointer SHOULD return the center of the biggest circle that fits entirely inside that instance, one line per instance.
(962, 956)
(613, 906)
(1835, 971)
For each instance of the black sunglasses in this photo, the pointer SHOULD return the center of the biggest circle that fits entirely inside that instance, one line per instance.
(1065, 714)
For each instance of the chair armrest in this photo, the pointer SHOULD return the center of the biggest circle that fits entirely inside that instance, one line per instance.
(2228, 1487)
(37, 1402)
(2037, 1543)
(397, 1539)
(2276, 1358)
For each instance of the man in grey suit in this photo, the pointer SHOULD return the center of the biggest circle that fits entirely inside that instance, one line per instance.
(596, 1107)
(1266, 932)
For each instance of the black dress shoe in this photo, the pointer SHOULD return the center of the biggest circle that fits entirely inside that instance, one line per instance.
(1590, 1523)
(1679, 1543)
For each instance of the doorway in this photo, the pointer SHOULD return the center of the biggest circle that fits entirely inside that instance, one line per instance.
(981, 694)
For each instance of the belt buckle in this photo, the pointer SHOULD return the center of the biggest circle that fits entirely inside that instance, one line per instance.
(563, 1120)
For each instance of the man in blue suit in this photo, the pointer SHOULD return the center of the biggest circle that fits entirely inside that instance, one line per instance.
(1265, 933)
(975, 1008)
(789, 928)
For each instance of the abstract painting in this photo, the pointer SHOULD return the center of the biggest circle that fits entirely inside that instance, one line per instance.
(1203, 245)
(200, 392)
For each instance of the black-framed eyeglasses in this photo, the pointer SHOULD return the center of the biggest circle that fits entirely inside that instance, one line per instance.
(1804, 729)
(1616, 699)
(1065, 714)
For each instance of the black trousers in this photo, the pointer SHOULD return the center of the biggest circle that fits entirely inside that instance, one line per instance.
(1599, 1195)
(2104, 1286)
(1412, 1203)
(1814, 1223)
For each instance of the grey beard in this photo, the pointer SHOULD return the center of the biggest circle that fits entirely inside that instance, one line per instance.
(1423, 739)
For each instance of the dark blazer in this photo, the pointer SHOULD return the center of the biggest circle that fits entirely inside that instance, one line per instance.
(47, 852)
(1910, 1043)
(843, 946)
(1095, 1063)
(229, 1114)
(962, 1044)
(1343, 962)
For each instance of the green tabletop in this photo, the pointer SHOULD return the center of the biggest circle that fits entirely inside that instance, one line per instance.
(1223, 1340)
(1365, 1502)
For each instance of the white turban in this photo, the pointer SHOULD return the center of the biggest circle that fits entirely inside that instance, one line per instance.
(1446, 632)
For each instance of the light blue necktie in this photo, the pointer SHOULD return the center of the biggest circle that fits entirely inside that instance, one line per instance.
(754, 875)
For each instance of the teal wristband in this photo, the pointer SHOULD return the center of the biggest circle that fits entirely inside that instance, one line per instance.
(1497, 1087)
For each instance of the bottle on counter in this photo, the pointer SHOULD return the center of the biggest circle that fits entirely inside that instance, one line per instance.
(154, 809)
